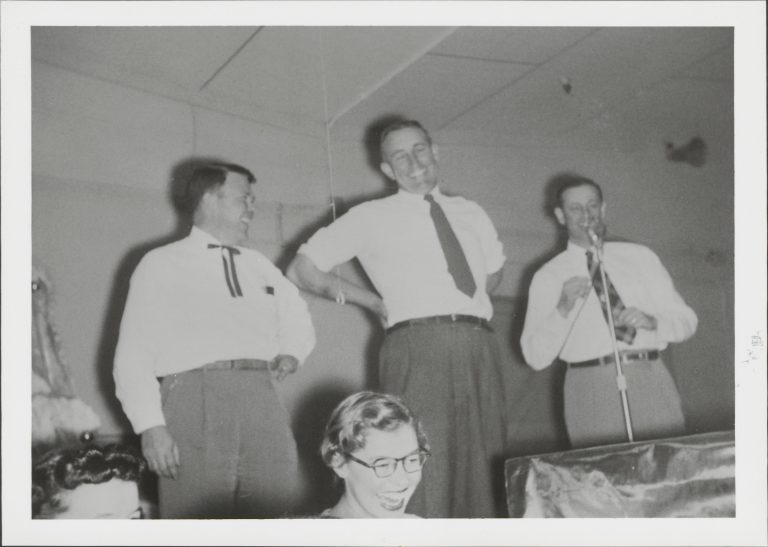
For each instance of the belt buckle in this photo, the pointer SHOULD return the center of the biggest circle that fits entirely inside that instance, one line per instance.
(453, 317)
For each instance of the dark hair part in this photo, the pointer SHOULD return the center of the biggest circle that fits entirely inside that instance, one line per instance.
(205, 178)
(396, 126)
(566, 181)
(66, 469)
(349, 423)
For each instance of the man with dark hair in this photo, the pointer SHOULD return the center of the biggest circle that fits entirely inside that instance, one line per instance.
(433, 259)
(87, 483)
(214, 321)
(568, 317)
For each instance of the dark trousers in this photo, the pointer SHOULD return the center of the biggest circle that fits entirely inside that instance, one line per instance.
(238, 454)
(449, 376)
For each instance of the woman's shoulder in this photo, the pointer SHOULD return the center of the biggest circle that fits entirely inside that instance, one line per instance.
(327, 514)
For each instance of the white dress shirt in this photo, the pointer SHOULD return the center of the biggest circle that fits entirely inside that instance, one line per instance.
(640, 279)
(180, 315)
(395, 240)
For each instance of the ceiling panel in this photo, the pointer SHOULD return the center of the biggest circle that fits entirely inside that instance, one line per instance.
(605, 69)
(176, 60)
(360, 60)
(436, 89)
(514, 44)
(477, 83)
(718, 66)
(276, 71)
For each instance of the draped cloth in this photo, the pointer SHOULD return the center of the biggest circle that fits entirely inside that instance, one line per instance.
(690, 476)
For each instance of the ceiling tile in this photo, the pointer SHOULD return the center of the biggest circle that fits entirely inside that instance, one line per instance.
(276, 71)
(173, 60)
(718, 66)
(605, 69)
(436, 89)
(512, 44)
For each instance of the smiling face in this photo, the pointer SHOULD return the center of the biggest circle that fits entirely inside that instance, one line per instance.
(365, 494)
(409, 159)
(228, 210)
(580, 208)
(114, 499)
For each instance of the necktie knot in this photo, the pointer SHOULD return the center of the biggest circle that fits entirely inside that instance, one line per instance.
(229, 248)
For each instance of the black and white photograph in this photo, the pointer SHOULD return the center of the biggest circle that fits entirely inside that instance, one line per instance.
(293, 264)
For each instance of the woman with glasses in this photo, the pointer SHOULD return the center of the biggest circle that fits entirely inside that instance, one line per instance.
(378, 448)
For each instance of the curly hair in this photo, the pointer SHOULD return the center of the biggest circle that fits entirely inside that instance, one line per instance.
(350, 421)
(63, 470)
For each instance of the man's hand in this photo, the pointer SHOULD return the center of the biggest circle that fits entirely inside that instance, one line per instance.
(161, 452)
(283, 365)
(633, 317)
(573, 289)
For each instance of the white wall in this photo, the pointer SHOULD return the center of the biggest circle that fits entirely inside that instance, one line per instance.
(102, 156)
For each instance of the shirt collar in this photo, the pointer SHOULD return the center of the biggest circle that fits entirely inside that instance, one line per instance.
(575, 248)
(200, 237)
(404, 194)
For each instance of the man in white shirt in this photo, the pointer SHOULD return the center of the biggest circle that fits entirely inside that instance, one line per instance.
(433, 259)
(217, 323)
(565, 319)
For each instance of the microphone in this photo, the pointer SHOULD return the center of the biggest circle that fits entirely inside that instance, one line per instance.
(593, 235)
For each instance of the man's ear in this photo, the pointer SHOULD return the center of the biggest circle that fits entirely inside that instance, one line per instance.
(435, 152)
(387, 170)
(602, 210)
(560, 216)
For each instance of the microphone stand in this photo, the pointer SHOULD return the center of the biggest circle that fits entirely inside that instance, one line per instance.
(621, 380)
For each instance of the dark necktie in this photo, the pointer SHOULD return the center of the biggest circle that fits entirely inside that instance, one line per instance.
(454, 255)
(624, 333)
(230, 274)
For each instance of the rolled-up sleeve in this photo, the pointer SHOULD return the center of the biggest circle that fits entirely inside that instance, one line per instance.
(336, 243)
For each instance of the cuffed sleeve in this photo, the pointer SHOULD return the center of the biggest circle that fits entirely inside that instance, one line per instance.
(136, 386)
(545, 328)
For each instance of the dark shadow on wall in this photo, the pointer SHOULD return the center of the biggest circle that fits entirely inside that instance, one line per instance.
(121, 281)
(321, 489)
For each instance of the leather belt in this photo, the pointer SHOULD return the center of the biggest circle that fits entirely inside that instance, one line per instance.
(625, 356)
(238, 364)
(442, 319)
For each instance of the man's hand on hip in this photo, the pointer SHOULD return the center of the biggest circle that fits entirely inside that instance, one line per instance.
(161, 451)
(283, 365)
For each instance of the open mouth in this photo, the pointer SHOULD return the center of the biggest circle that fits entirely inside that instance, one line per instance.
(393, 501)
